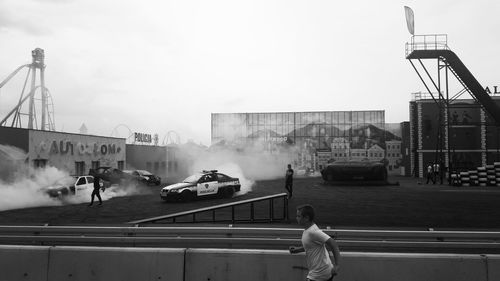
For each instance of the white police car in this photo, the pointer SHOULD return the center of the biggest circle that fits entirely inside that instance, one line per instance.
(206, 183)
(71, 185)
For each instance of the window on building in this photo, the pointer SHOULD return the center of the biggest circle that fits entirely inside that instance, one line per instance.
(121, 165)
(169, 167)
(95, 164)
(39, 163)
(175, 166)
(157, 167)
(79, 168)
(148, 166)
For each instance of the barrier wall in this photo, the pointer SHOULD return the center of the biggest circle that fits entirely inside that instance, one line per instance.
(103, 263)
(90, 263)
(216, 264)
(493, 267)
(23, 262)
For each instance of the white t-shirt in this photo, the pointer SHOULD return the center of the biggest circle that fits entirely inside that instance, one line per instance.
(317, 257)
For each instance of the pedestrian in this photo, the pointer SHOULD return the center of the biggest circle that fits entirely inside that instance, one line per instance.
(436, 167)
(96, 190)
(317, 245)
(430, 173)
(289, 181)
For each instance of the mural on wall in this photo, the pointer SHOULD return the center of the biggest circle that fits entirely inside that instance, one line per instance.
(315, 138)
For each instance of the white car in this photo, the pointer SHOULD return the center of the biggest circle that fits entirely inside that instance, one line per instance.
(202, 184)
(70, 186)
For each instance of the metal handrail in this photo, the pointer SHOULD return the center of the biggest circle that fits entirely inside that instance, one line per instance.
(269, 198)
(231, 231)
(251, 238)
(427, 42)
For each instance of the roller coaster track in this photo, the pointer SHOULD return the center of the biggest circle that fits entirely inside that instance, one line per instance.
(477, 242)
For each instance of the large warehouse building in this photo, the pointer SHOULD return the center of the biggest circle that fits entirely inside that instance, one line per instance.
(313, 138)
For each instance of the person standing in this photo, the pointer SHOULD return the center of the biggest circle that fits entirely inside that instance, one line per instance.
(96, 190)
(436, 167)
(430, 174)
(316, 244)
(289, 181)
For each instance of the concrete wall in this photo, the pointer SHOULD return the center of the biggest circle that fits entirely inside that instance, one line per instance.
(15, 137)
(147, 157)
(102, 263)
(62, 150)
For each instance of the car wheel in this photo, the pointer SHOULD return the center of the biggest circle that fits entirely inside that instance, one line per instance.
(64, 191)
(228, 192)
(186, 196)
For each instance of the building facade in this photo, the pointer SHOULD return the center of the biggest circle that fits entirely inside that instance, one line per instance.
(469, 138)
(314, 138)
(74, 153)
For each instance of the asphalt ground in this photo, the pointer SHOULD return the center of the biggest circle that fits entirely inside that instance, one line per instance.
(409, 205)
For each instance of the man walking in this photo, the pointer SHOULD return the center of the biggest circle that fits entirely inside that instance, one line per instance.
(289, 181)
(95, 192)
(317, 245)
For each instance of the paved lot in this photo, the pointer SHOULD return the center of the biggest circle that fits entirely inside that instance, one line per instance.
(410, 205)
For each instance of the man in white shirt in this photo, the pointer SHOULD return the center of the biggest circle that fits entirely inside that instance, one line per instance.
(317, 245)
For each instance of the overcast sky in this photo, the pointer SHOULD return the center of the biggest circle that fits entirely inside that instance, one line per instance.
(158, 66)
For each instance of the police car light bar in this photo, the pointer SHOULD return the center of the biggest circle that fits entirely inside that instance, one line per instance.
(209, 171)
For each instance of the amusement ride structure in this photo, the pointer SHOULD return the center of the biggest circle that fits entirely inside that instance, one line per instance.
(45, 110)
(435, 47)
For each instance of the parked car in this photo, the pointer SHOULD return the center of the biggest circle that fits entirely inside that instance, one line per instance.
(112, 175)
(144, 177)
(204, 184)
(69, 186)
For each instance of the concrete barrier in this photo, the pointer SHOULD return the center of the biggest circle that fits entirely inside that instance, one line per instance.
(106, 263)
(24, 262)
(493, 268)
(120, 264)
(243, 265)
(412, 267)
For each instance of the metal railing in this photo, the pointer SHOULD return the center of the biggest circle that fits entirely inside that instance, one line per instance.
(233, 205)
(427, 42)
(252, 238)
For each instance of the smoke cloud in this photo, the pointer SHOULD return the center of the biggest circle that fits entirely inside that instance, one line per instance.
(249, 164)
(24, 187)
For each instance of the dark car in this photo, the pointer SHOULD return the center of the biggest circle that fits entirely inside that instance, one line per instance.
(112, 175)
(204, 184)
(354, 170)
(144, 177)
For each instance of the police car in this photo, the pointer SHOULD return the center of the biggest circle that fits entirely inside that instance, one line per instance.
(71, 185)
(204, 184)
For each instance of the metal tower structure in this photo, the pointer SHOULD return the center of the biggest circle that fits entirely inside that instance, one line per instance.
(46, 110)
(172, 138)
(435, 47)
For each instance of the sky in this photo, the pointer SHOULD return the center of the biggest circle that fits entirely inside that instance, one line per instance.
(161, 66)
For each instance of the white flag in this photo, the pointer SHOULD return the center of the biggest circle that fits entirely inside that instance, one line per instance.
(410, 21)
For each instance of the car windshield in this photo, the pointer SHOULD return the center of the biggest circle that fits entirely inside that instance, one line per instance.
(144, 172)
(193, 178)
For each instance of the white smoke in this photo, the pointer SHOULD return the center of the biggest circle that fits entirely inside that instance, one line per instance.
(248, 164)
(26, 192)
(27, 189)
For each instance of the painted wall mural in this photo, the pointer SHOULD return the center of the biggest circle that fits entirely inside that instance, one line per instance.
(315, 138)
